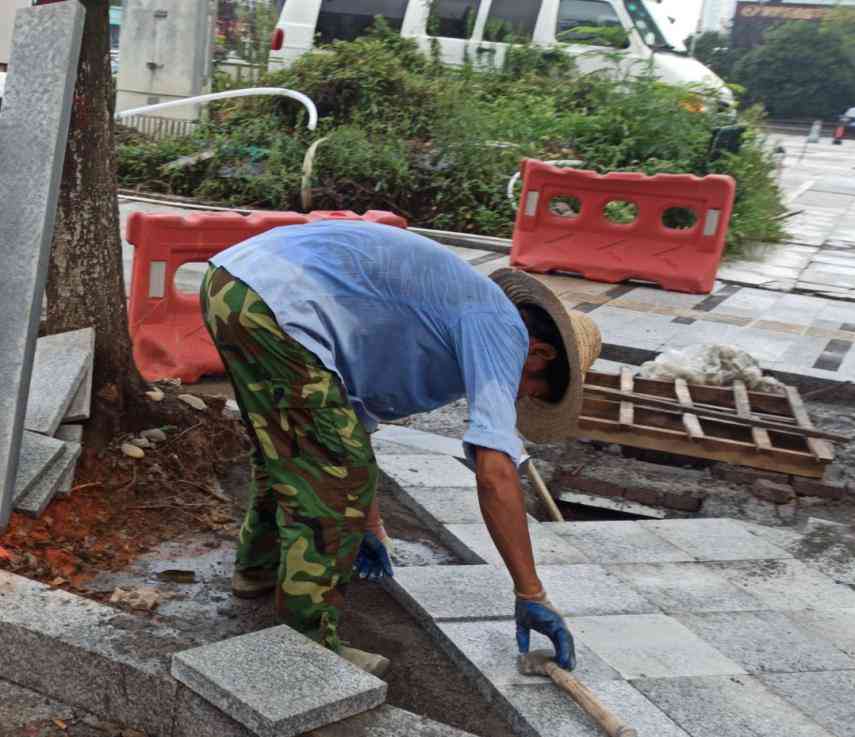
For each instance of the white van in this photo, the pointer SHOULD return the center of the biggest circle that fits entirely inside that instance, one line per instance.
(482, 30)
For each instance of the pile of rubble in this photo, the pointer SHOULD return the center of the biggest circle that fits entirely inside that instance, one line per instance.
(60, 396)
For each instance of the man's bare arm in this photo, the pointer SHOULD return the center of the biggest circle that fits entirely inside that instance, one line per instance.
(503, 508)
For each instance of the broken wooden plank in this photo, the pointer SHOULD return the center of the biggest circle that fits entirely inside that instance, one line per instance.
(820, 448)
(690, 420)
(743, 408)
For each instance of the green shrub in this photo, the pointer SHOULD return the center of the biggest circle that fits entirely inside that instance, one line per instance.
(439, 144)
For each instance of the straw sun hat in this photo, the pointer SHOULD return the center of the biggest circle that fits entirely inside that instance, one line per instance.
(541, 421)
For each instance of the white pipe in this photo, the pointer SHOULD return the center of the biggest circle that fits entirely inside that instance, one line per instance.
(252, 92)
(515, 178)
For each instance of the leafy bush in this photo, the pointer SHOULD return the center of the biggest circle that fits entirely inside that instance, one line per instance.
(438, 144)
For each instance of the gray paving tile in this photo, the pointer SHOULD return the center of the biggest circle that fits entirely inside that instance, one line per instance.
(787, 584)
(737, 706)
(57, 376)
(38, 452)
(489, 650)
(827, 698)
(545, 711)
(385, 448)
(618, 542)
(424, 441)
(420, 470)
(248, 677)
(35, 501)
(387, 721)
(37, 107)
(438, 506)
(651, 646)
(548, 548)
(837, 626)
(766, 642)
(613, 504)
(714, 539)
(460, 593)
(685, 587)
(76, 340)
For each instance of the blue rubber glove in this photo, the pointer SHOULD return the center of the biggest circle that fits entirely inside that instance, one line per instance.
(542, 617)
(372, 561)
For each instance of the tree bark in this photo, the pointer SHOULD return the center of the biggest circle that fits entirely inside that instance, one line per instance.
(85, 283)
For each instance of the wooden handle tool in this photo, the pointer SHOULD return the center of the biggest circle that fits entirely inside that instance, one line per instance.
(540, 662)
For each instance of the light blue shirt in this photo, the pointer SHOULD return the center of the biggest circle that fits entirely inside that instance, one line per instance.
(405, 323)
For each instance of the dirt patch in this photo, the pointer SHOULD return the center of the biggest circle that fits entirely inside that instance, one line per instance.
(120, 507)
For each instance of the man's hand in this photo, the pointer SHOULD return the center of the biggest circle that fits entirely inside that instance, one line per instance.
(540, 616)
(373, 562)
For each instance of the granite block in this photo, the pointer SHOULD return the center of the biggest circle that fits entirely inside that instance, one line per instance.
(388, 721)
(461, 593)
(119, 663)
(623, 506)
(57, 376)
(766, 642)
(420, 470)
(72, 435)
(38, 453)
(35, 501)
(22, 709)
(76, 340)
(685, 587)
(827, 698)
(735, 706)
(33, 132)
(834, 626)
(246, 677)
(787, 584)
(545, 711)
(488, 650)
(475, 545)
(386, 448)
(617, 542)
(715, 539)
(437, 507)
(197, 717)
(425, 441)
(652, 646)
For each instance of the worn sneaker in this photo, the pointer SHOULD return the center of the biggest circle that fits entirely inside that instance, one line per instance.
(371, 663)
(253, 584)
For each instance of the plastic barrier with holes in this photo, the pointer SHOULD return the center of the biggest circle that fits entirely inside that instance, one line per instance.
(669, 229)
(168, 335)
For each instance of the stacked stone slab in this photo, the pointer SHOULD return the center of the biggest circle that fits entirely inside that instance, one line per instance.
(683, 627)
(33, 133)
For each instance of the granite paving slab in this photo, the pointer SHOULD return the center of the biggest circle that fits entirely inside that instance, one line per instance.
(617, 542)
(474, 544)
(247, 677)
(488, 650)
(715, 539)
(437, 506)
(836, 626)
(418, 470)
(36, 500)
(787, 584)
(735, 706)
(623, 506)
(652, 646)
(387, 721)
(767, 642)
(460, 593)
(72, 435)
(57, 376)
(33, 132)
(38, 453)
(76, 340)
(827, 698)
(685, 587)
(425, 441)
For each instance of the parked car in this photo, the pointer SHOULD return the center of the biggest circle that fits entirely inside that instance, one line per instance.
(483, 30)
(847, 122)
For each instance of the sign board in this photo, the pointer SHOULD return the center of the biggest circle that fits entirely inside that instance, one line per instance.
(753, 19)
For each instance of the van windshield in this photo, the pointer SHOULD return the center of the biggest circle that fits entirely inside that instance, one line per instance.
(645, 20)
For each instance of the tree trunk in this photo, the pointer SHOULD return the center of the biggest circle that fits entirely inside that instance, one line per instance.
(85, 282)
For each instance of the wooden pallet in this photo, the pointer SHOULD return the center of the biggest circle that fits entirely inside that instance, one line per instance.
(615, 420)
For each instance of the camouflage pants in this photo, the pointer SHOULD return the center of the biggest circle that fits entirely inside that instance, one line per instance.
(314, 472)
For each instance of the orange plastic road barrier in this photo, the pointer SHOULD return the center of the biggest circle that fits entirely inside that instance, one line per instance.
(168, 335)
(669, 229)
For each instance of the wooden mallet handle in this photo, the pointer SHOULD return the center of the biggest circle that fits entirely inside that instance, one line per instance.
(589, 703)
